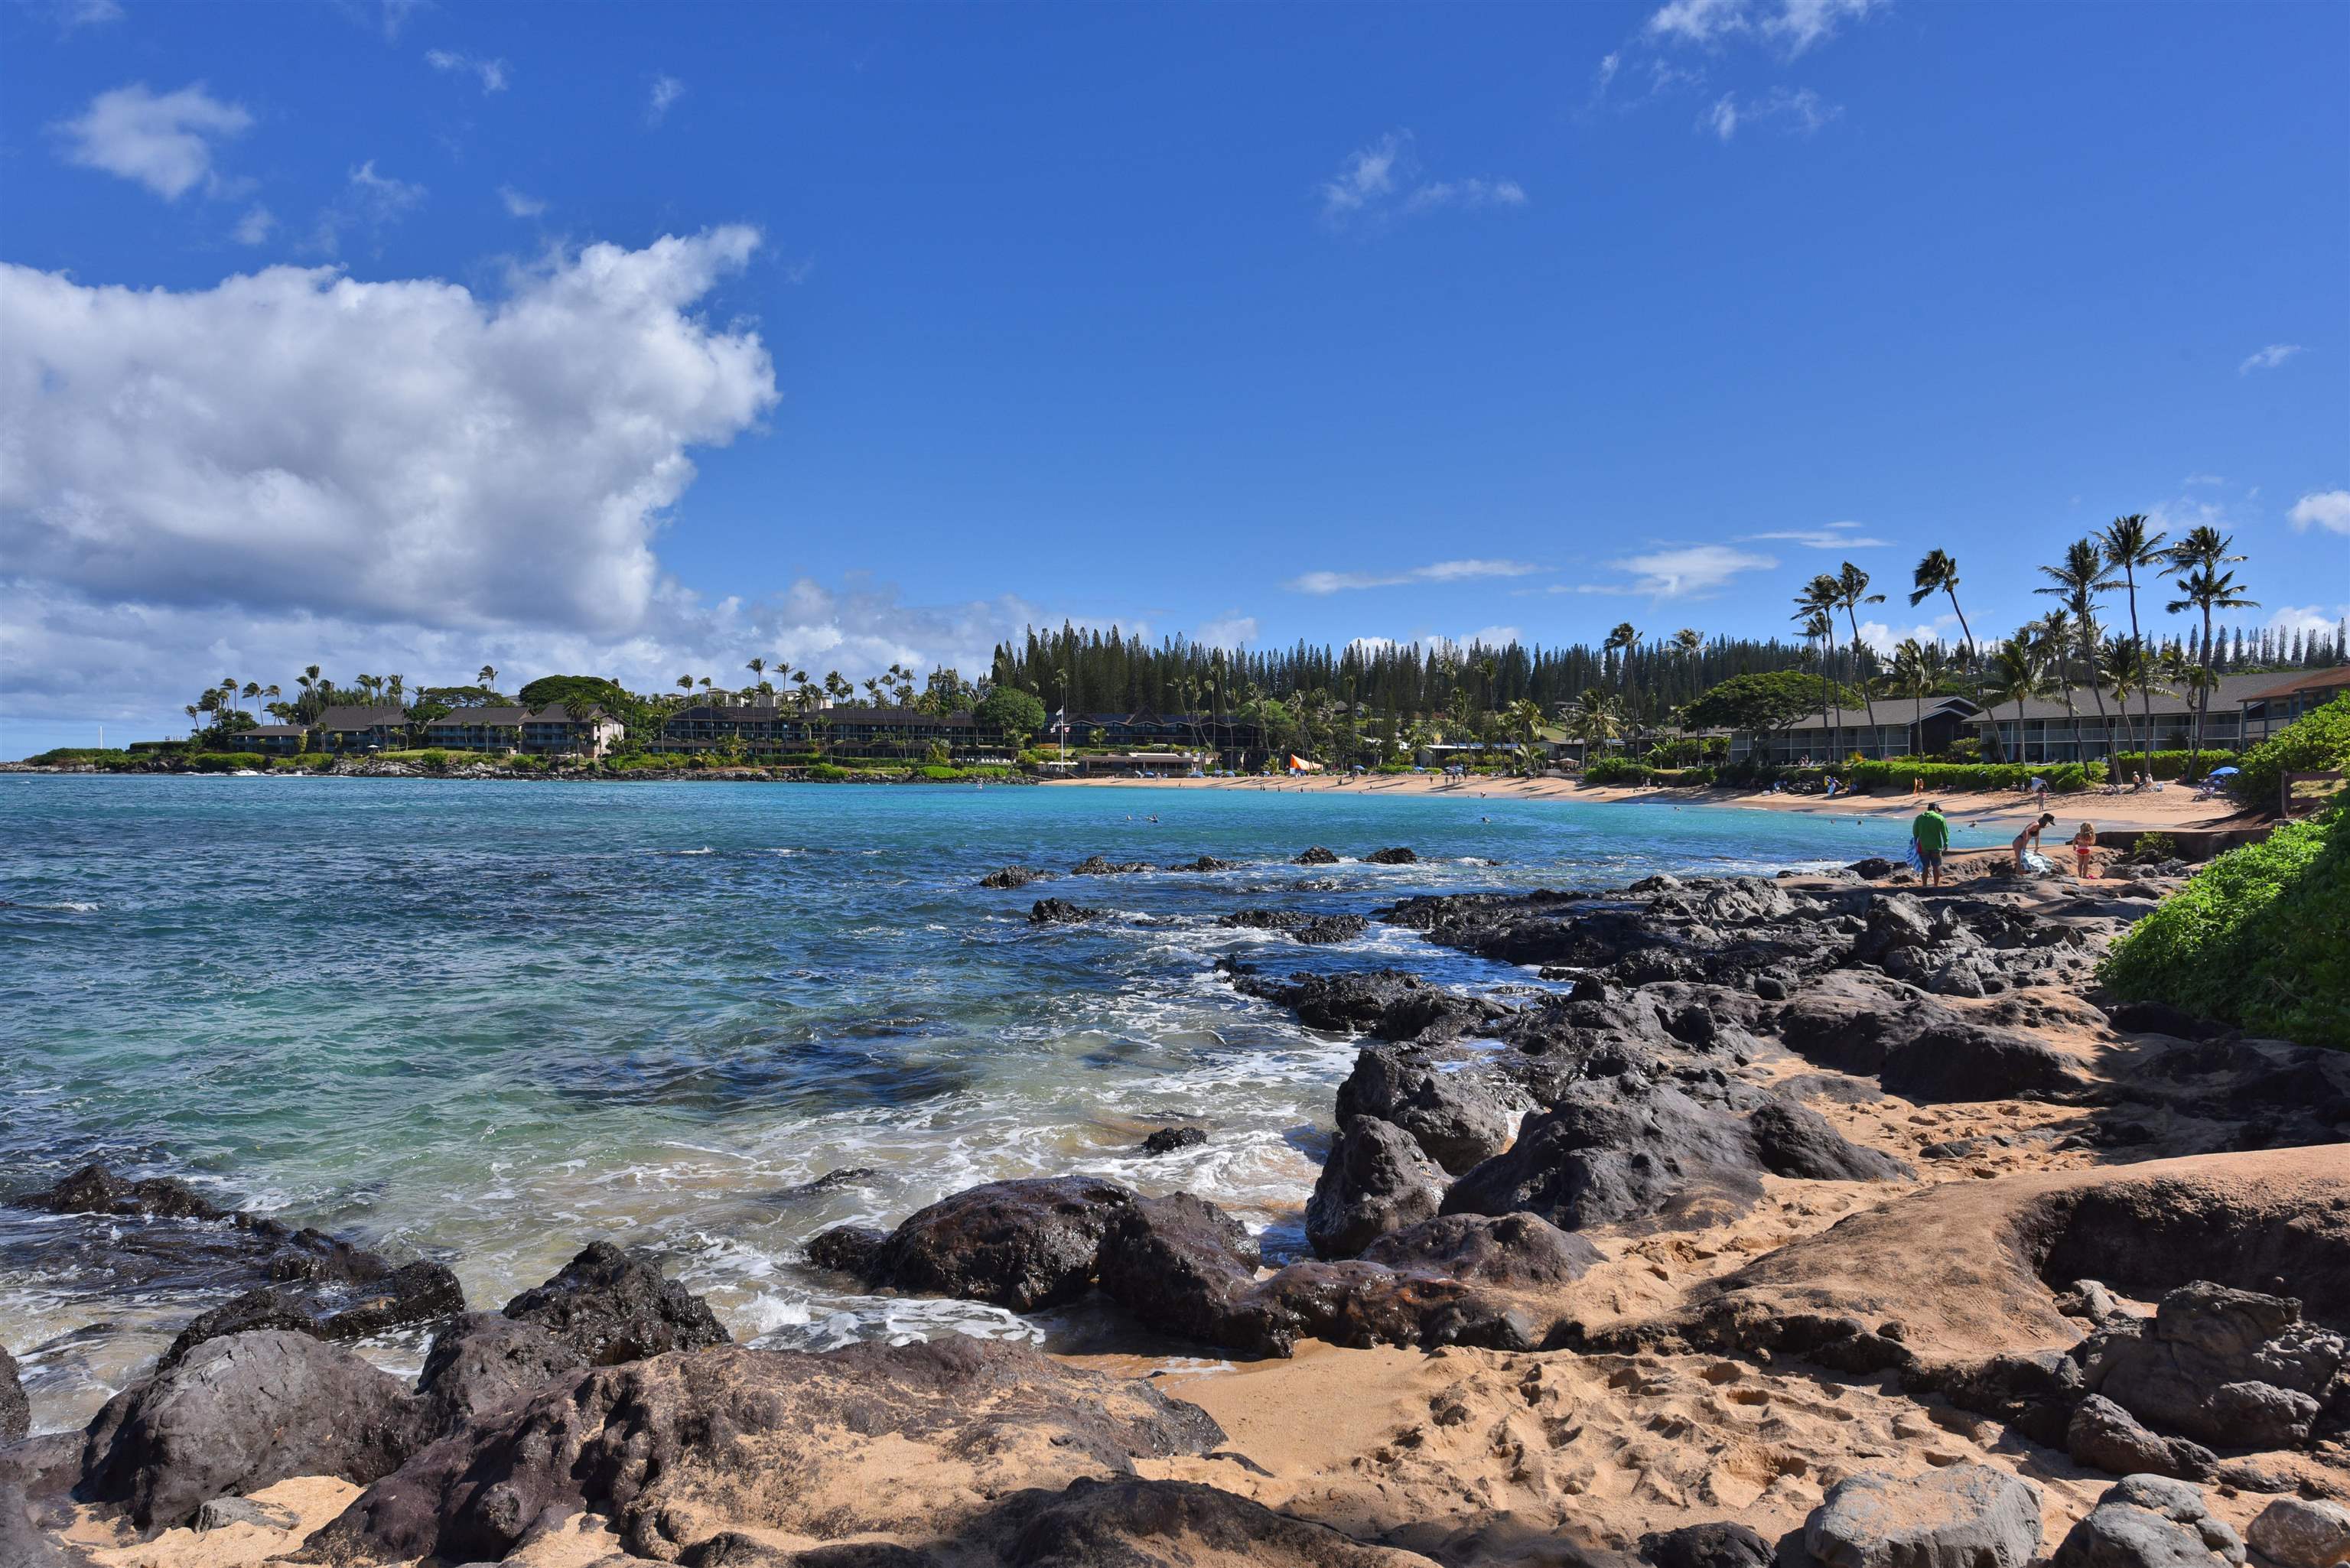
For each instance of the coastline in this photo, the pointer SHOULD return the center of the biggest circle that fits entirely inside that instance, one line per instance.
(1631, 1412)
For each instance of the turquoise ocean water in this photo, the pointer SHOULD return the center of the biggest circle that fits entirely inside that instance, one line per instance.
(489, 1021)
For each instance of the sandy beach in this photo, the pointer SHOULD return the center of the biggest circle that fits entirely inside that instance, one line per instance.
(2170, 809)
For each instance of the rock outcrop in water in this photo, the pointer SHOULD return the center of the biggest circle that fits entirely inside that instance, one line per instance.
(611, 1305)
(1315, 931)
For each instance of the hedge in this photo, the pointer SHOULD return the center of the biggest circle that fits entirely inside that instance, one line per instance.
(2175, 764)
(2255, 939)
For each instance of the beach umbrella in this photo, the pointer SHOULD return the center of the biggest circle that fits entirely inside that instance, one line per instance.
(2224, 772)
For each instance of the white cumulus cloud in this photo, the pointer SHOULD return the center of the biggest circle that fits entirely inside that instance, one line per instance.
(1793, 24)
(491, 74)
(1434, 572)
(297, 440)
(2268, 358)
(2326, 509)
(163, 141)
(255, 225)
(1234, 630)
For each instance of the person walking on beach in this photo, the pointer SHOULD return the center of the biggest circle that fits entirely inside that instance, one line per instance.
(1931, 835)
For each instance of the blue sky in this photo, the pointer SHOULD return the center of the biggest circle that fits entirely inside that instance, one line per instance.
(1244, 323)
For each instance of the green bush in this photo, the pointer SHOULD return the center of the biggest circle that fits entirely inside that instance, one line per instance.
(830, 772)
(940, 773)
(66, 757)
(1615, 770)
(2151, 848)
(2314, 742)
(2175, 764)
(434, 758)
(2255, 940)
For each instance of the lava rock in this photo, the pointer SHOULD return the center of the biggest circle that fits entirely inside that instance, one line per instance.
(1375, 1181)
(485, 1361)
(1061, 912)
(2103, 1435)
(2302, 1533)
(1387, 1003)
(16, 1410)
(2236, 1369)
(1095, 866)
(1874, 869)
(2151, 1522)
(1517, 1252)
(1009, 876)
(1314, 930)
(1182, 1265)
(1457, 1120)
(1797, 1141)
(848, 1249)
(1616, 1149)
(1399, 856)
(1316, 855)
(95, 1189)
(1022, 1244)
(1167, 1140)
(413, 1294)
(1205, 863)
(1964, 1516)
(220, 1513)
(612, 1306)
(1718, 1545)
(240, 1413)
(2161, 1018)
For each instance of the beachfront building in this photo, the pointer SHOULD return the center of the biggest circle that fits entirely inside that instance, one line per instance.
(2289, 697)
(1236, 742)
(2070, 727)
(1900, 729)
(269, 740)
(362, 729)
(502, 728)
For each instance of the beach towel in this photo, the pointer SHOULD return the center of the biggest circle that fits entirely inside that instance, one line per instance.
(2038, 864)
(1917, 861)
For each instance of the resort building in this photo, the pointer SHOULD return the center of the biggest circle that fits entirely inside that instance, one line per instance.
(2075, 725)
(1235, 742)
(545, 731)
(270, 740)
(362, 729)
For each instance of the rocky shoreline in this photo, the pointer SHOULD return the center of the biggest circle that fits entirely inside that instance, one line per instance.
(1795, 1219)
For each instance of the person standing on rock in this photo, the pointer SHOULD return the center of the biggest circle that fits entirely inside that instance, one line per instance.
(1931, 833)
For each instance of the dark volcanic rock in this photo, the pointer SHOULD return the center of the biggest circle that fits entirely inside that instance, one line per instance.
(1181, 1264)
(1316, 855)
(1318, 930)
(240, 1413)
(2103, 1435)
(1723, 1546)
(1385, 1002)
(1009, 876)
(1021, 1244)
(413, 1294)
(2161, 1018)
(1167, 1140)
(1797, 1141)
(1616, 1149)
(1135, 1523)
(95, 1189)
(485, 1361)
(1061, 912)
(612, 1306)
(847, 1249)
(1874, 869)
(792, 1440)
(1516, 1251)
(1458, 1120)
(1375, 1181)
(2236, 1369)
(16, 1410)
(2150, 1522)
(1399, 856)
(1964, 1516)
(1360, 1304)
(2037, 1392)
(1095, 866)
(1917, 1047)
(1205, 863)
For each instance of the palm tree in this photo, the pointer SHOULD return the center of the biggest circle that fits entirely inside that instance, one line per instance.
(2202, 586)
(2131, 670)
(488, 678)
(685, 684)
(2016, 675)
(2130, 543)
(1522, 721)
(1910, 678)
(758, 669)
(196, 717)
(1815, 613)
(1592, 717)
(1852, 591)
(2053, 633)
(1938, 573)
(2077, 582)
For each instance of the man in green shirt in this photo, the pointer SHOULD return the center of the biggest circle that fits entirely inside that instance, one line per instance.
(1931, 833)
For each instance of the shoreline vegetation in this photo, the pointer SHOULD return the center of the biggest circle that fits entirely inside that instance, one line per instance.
(1807, 1218)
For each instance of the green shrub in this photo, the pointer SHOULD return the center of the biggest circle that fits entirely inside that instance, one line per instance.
(1895, 775)
(940, 773)
(2154, 847)
(228, 761)
(2255, 939)
(93, 756)
(830, 772)
(434, 758)
(1615, 770)
(2175, 764)
(2314, 742)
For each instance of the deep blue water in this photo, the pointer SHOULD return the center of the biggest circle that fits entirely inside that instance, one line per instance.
(492, 1021)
